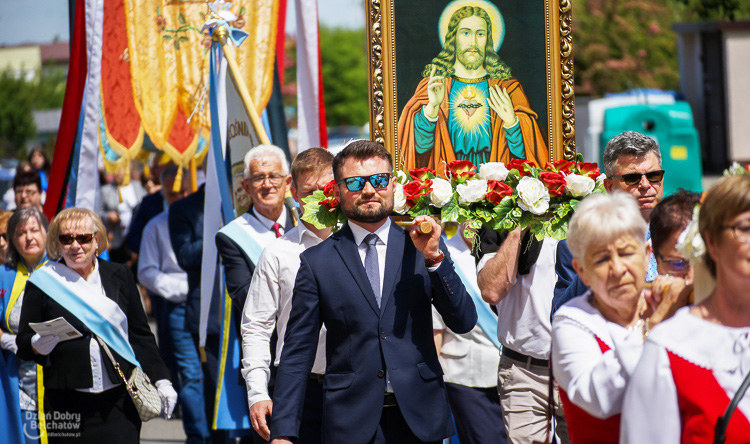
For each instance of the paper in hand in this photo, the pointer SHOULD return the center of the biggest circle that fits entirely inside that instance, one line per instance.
(59, 327)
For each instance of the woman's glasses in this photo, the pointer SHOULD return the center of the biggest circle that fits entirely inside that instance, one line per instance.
(741, 231)
(675, 267)
(635, 178)
(357, 183)
(67, 239)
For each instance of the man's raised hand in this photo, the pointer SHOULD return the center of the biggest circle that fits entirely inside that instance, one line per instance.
(435, 94)
(500, 102)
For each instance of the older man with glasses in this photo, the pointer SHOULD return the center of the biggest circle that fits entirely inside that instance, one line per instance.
(632, 163)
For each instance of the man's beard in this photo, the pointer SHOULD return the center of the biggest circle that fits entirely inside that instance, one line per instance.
(477, 62)
(357, 214)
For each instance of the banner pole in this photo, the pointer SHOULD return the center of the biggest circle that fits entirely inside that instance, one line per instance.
(220, 35)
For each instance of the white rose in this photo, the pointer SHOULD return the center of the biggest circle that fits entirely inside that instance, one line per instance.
(493, 171)
(579, 186)
(399, 200)
(533, 196)
(471, 191)
(442, 191)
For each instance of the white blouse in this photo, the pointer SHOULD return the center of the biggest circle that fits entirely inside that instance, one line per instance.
(593, 380)
(651, 412)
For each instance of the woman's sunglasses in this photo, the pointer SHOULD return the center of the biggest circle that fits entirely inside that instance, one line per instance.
(635, 178)
(357, 183)
(67, 239)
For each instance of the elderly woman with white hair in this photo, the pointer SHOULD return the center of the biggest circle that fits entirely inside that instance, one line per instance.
(597, 338)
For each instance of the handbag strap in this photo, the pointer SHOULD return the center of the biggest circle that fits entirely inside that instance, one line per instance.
(723, 421)
(116, 364)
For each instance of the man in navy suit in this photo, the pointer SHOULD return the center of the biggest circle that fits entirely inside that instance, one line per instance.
(373, 290)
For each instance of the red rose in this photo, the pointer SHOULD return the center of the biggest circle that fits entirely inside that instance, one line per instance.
(328, 189)
(522, 166)
(422, 173)
(589, 169)
(560, 166)
(460, 169)
(496, 190)
(554, 181)
(330, 202)
(160, 21)
(416, 189)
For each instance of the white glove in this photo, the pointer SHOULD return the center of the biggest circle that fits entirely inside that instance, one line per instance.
(168, 396)
(8, 342)
(44, 344)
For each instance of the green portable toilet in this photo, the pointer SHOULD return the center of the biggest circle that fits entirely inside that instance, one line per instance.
(673, 129)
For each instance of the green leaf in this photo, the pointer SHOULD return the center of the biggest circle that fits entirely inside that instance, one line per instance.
(579, 158)
(167, 37)
(484, 215)
(574, 204)
(474, 224)
(181, 18)
(450, 211)
(504, 207)
(176, 45)
(242, 10)
(525, 219)
(183, 39)
(422, 208)
(563, 209)
(464, 214)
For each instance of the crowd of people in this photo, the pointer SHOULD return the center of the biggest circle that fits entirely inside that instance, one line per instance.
(373, 333)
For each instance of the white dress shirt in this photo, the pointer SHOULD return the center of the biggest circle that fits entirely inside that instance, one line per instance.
(381, 246)
(101, 380)
(268, 223)
(268, 305)
(158, 270)
(523, 323)
(651, 411)
(469, 359)
(594, 381)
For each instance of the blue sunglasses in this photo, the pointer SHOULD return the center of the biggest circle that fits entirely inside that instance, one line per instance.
(357, 183)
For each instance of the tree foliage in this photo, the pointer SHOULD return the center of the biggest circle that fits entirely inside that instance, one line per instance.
(344, 58)
(624, 44)
(715, 9)
(16, 118)
(19, 98)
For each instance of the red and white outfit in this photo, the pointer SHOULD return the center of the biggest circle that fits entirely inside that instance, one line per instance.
(690, 370)
(592, 360)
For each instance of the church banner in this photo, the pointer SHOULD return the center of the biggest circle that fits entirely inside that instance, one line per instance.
(477, 80)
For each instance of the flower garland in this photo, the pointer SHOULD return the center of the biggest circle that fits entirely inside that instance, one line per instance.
(503, 197)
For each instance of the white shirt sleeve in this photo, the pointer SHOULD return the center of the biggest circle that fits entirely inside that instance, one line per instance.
(650, 412)
(258, 323)
(593, 380)
(171, 286)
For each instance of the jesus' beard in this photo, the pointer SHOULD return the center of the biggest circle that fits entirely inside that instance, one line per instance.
(476, 62)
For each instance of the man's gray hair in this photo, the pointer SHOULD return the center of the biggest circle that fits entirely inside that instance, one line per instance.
(628, 143)
(266, 151)
(603, 218)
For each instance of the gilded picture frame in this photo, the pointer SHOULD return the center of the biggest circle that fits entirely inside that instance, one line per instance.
(411, 41)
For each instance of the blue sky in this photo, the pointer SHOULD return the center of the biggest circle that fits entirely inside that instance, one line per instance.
(41, 21)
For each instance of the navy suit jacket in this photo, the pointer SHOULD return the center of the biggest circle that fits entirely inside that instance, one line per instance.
(186, 236)
(149, 207)
(238, 268)
(569, 284)
(364, 341)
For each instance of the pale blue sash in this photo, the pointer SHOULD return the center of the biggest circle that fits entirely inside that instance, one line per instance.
(249, 245)
(66, 293)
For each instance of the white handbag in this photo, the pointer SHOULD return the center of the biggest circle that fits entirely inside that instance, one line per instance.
(143, 393)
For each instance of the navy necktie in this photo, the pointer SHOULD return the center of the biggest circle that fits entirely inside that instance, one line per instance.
(371, 265)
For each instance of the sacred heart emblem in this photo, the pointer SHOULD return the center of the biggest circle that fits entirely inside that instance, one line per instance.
(469, 104)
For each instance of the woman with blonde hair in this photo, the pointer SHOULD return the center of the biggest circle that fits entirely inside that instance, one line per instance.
(101, 301)
(696, 362)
